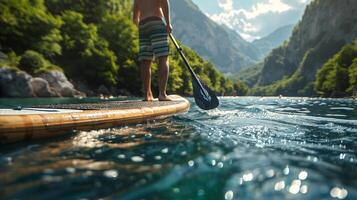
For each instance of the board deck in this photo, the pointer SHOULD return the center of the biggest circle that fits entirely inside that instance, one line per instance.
(52, 120)
(35, 111)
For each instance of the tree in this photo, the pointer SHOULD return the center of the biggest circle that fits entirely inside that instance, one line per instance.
(32, 62)
(93, 11)
(241, 88)
(353, 77)
(27, 25)
(337, 77)
(86, 56)
(121, 34)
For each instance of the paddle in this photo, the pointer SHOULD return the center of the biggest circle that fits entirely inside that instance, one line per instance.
(205, 98)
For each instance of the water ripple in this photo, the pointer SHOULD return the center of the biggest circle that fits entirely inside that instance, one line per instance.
(248, 148)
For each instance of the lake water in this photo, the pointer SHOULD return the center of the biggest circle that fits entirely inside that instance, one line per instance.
(249, 148)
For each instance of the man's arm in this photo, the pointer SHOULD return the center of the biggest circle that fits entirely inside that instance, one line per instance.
(166, 10)
(136, 13)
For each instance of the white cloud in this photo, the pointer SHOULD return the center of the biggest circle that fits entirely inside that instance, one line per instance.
(275, 6)
(263, 17)
(226, 5)
(249, 37)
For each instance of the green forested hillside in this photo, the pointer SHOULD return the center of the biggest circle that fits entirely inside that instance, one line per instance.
(93, 41)
(249, 75)
(338, 77)
(325, 28)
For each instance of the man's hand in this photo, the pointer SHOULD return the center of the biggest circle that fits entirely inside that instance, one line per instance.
(169, 28)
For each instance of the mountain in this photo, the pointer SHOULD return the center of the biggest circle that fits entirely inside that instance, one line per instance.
(273, 40)
(217, 43)
(249, 75)
(327, 26)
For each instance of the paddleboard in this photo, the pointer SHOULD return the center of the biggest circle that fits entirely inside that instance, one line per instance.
(47, 121)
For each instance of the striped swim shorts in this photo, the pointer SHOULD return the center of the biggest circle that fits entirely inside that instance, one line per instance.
(153, 39)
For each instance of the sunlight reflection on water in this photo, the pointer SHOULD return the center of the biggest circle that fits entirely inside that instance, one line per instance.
(249, 148)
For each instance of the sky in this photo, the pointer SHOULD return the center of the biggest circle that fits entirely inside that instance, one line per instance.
(253, 19)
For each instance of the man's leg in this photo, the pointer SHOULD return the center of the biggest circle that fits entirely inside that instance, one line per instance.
(163, 75)
(146, 77)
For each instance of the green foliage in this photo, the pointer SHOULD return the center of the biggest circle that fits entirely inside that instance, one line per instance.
(32, 61)
(241, 88)
(27, 25)
(121, 34)
(92, 10)
(125, 7)
(11, 60)
(331, 80)
(249, 75)
(337, 77)
(175, 80)
(353, 76)
(129, 77)
(86, 56)
(205, 71)
(298, 83)
(48, 68)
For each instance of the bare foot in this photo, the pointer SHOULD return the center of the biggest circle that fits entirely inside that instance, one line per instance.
(164, 98)
(148, 97)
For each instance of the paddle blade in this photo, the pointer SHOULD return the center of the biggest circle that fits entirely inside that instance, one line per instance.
(205, 98)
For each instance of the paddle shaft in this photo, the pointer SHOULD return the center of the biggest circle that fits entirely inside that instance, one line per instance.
(179, 49)
(204, 97)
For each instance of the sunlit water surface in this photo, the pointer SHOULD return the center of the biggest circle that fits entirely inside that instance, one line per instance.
(249, 148)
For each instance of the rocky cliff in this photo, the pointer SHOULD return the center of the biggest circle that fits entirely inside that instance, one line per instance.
(222, 46)
(273, 40)
(327, 25)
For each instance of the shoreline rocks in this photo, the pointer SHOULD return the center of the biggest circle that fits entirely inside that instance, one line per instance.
(41, 88)
(16, 83)
(59, 83)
